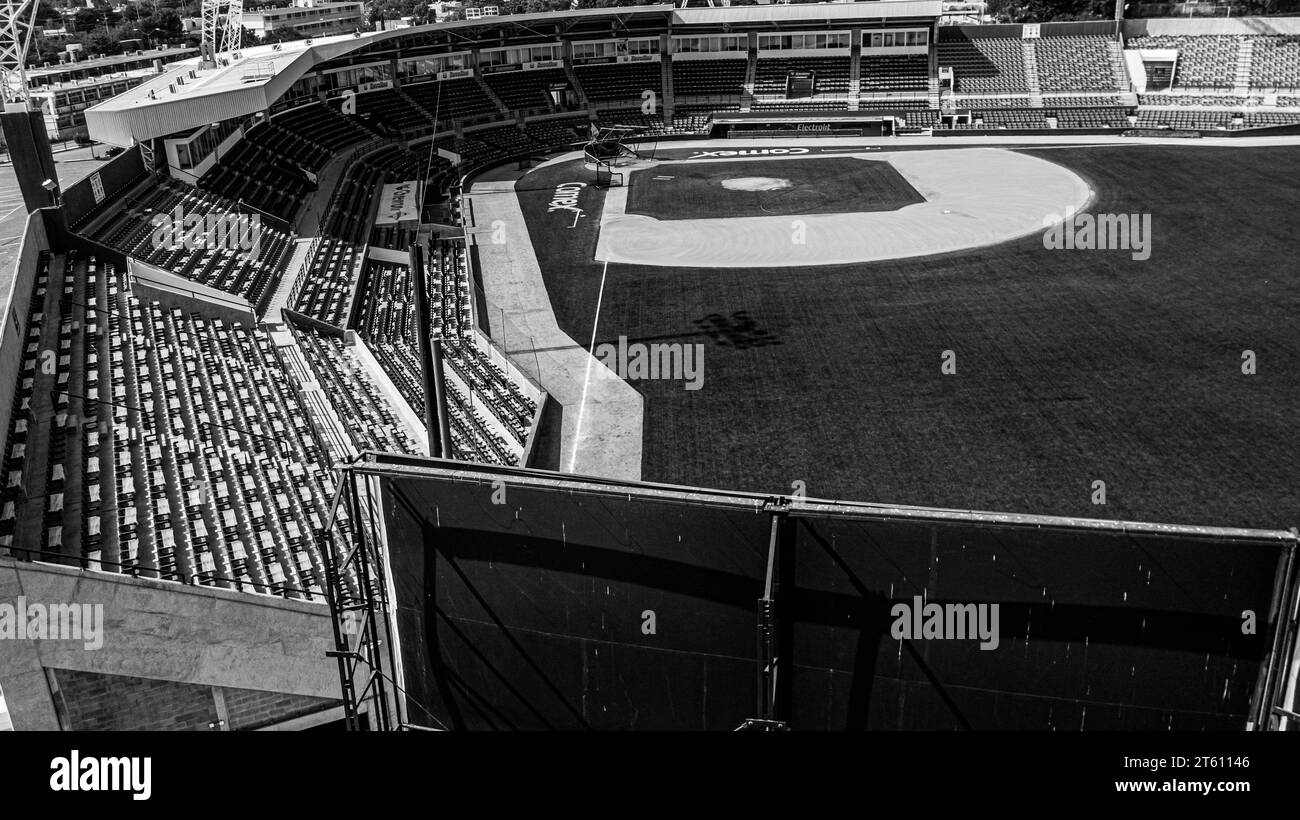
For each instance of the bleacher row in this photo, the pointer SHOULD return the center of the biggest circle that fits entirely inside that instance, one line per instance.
(1191, 120)
(894, 73)
(1210, 61)
(161, 444)
(364, 411)
(387, 322)
(1000, 65)
(324, 289)
(235, 250)
(621, 81)
(526, 90)
(1038, 118)
(269, 167)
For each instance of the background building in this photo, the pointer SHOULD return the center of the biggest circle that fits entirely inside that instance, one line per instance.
(307, 17)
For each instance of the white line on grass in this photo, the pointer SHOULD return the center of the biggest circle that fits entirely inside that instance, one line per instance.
(586, 382)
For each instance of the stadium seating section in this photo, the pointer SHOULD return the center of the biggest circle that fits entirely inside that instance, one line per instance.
(1081, 101)
(714, 78)
(1275, 62)
(365, 412)
(831, 75)
(164, 444)
(895, 74)
(1084, 63)
(252, 274)
(485, 400)
(1203, 62)
(985, 65)
(526, 90)
(392, 109)
(621, 81)
(268, 167)
(450, 100)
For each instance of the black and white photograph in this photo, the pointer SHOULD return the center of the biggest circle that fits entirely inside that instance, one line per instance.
(921, 368)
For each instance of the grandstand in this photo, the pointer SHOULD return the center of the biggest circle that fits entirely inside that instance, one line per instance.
(620, 81)
(984, 65)
(251, 273)
(164, 444)
(180, 413)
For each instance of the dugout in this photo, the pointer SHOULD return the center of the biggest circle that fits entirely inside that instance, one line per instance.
(874, 123)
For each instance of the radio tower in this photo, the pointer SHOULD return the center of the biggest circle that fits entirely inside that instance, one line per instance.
(16, 26)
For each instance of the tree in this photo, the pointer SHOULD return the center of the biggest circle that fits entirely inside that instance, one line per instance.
(47, 16)
(283, 35)
(101, 42)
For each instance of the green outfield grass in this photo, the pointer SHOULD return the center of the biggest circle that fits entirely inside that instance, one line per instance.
(1072, 366)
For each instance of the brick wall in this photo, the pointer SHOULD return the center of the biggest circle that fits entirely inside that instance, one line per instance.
(251, 709)
(94, 702)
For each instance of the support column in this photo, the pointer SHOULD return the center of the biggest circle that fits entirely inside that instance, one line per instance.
(33, 159)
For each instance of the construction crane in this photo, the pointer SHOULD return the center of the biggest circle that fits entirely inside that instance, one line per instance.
(17, 22)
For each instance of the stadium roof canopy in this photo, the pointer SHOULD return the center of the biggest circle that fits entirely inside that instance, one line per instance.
(186, 96)
(109, 61)
(835, 13)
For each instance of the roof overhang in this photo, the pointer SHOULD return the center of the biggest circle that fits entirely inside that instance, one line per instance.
(808, 13)
(185, 96)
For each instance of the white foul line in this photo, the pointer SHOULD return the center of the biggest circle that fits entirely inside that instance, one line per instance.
(586, 382)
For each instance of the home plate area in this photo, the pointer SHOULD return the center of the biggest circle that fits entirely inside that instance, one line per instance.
(805, 209)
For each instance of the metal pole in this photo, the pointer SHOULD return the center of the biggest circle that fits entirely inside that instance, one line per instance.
(767, 648)
(432, 410)
(440, 392)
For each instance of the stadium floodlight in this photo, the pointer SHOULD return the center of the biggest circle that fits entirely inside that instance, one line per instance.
(232, 40)
(221, 32)
(16, 27)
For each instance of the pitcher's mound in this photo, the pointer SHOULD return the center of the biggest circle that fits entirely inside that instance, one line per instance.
(756, 184)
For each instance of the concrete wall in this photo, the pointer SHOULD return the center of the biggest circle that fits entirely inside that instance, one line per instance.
(92, 702)
(117, 174)
(16, 291)
(29, 146)
(154, 284)
(164, 631)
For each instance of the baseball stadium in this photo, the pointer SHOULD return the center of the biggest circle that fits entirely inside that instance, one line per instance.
(517, 372)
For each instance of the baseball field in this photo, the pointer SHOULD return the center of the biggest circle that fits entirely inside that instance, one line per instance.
(1088, 381)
